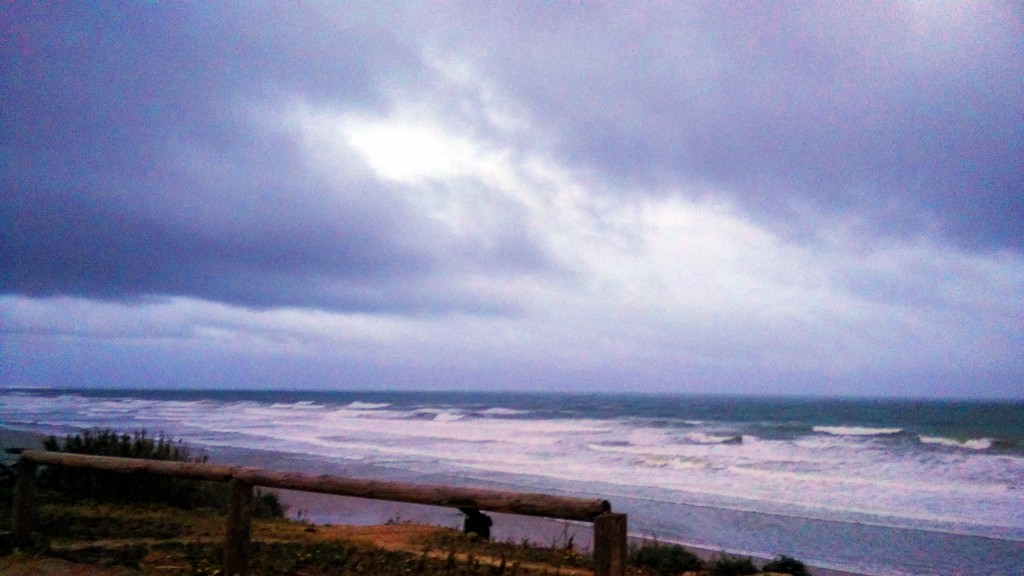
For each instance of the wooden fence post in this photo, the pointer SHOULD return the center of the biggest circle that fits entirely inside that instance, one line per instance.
(610, 544)
(24, 502)
(236, 540)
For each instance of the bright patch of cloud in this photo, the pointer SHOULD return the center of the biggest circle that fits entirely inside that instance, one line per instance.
(661, 279)
(409, 153)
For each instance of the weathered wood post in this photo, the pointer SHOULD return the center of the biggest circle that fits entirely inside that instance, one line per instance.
(24, 502)
(239, 521)
(610, 544)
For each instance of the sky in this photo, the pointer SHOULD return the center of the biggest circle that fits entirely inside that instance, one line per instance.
(692, 197)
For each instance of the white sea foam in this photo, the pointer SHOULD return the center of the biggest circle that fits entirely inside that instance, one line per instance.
(674, 463)
(440, 414)
(502, 412)
(856, 431)
(303, 405)
(973, 444)
(449, 416)
(368, 405)
(701, 438)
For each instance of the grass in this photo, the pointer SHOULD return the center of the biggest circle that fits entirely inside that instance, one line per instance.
(160, 539)
(153, 539)
(523, 553)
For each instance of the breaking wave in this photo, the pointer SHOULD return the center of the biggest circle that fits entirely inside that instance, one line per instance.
(856, 431)
(368, 405)
(502, 412)
(699, 438)
(973, 444)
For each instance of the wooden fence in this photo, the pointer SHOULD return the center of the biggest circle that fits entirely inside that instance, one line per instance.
(609, 529)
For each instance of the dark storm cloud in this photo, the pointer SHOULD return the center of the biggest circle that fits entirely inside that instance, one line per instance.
(134, 166)
(908, 115)
(63, 244)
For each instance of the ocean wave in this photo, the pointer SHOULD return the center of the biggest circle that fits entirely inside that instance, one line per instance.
(502, 412)
(700, 438)
(368, 405)
(620, 448)
(439, 414)
(618, 443)
(675, 463)
(856, 431)
(449, 417)
(301, 405)
(972, 444)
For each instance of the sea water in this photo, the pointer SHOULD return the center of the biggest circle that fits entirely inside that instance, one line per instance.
(884, 487)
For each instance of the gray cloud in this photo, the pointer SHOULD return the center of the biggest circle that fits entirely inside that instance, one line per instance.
(909, 115)
(134, 166)
(618, 195)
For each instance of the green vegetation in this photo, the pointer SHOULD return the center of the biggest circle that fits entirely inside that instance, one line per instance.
(786, 565)
(665, 559)
(275, 558)
(169, 541)
(731, 566)
(77, 485)
(558, 554)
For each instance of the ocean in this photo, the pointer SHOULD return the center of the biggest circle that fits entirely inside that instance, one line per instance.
(879, 487)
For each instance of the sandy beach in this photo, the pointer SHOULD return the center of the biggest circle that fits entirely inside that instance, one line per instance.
(17, 439)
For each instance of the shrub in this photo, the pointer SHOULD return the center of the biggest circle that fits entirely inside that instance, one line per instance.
(109, 443)
(786, 565)
(666, 559)
(727, 566)
(102, 486)
(267, 505)
(78, 484)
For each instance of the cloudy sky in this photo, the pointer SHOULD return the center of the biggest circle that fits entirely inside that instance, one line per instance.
(775, 198)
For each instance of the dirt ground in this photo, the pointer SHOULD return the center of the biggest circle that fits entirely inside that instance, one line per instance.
(17, 565)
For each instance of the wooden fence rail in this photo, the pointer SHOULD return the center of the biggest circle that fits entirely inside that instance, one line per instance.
(609, 529)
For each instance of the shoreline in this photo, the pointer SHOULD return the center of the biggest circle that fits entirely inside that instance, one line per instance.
(326, 509)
